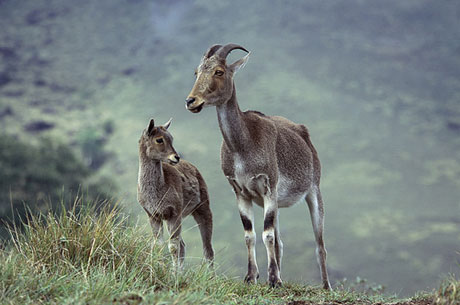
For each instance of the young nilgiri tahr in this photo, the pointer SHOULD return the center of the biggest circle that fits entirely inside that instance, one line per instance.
(169, 189)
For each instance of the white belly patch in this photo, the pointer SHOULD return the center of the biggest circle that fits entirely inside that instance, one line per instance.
(258, 186)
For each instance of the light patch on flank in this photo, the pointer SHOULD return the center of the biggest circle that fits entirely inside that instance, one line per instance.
(238, 164)
(286, 197)
(282, 187)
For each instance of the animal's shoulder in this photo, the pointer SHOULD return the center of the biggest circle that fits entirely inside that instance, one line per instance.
(255, 112)
(259, 124)
(191, 178)
(187, 173)
(279, 121)
(172, 173)
(286, 126)
(186, 168)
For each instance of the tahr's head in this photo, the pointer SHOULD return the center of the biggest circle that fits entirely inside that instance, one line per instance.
(214, 78)
(156, 142)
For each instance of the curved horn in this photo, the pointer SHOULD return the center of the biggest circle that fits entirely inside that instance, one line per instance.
(228, 48)
(210, 52)
(166, 125)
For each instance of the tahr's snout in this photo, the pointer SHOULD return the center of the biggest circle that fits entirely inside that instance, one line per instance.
(191, 104)
(177, 158)
(189, 101)
(174, 159)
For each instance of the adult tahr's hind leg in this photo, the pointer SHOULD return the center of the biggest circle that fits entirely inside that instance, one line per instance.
(203, 218)
(278, 246)
(269, 238)
(315, 205)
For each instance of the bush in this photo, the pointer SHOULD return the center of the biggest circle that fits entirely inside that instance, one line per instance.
(33, 177)
(92, 142)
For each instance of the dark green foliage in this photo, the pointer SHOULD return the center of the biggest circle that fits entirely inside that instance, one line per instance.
(91, 141)
(34, 177)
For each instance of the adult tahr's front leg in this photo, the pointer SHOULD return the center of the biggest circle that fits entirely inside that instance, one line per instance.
(176, 244)
(247, 218)
(315, 205)
(261, 184)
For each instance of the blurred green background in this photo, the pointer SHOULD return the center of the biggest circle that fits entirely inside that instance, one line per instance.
(376, 82)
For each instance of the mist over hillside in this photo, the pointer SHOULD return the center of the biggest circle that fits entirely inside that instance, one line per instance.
(377, 84)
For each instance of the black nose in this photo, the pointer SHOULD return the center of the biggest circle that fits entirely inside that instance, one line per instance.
(189, 101)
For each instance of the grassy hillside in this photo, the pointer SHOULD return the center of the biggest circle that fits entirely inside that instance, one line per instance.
(376, 83)
(78, 257)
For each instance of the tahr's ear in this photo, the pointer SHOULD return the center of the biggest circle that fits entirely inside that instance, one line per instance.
(240, 63)
(150, 127)
(166, 125)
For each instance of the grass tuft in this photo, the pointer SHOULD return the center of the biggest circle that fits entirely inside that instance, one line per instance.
(449, 292)
(94, 256)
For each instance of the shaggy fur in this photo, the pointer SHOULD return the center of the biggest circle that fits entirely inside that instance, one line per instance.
(172, 192)
(268, 160)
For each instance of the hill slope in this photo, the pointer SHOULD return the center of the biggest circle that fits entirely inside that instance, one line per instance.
(79, 258)
(376, 83)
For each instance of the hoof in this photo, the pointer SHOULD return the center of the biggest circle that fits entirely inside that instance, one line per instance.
(275, 282)
(209, 263)
(251, 278)
(327, 286)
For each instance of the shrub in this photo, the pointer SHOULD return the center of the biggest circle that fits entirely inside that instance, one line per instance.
(33, 177)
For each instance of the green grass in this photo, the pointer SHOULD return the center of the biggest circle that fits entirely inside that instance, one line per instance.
(82, 257)
(449, 292)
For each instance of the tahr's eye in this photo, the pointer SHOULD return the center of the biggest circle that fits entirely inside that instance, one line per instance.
(159, 140)
(219, 73)
(196, 73)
